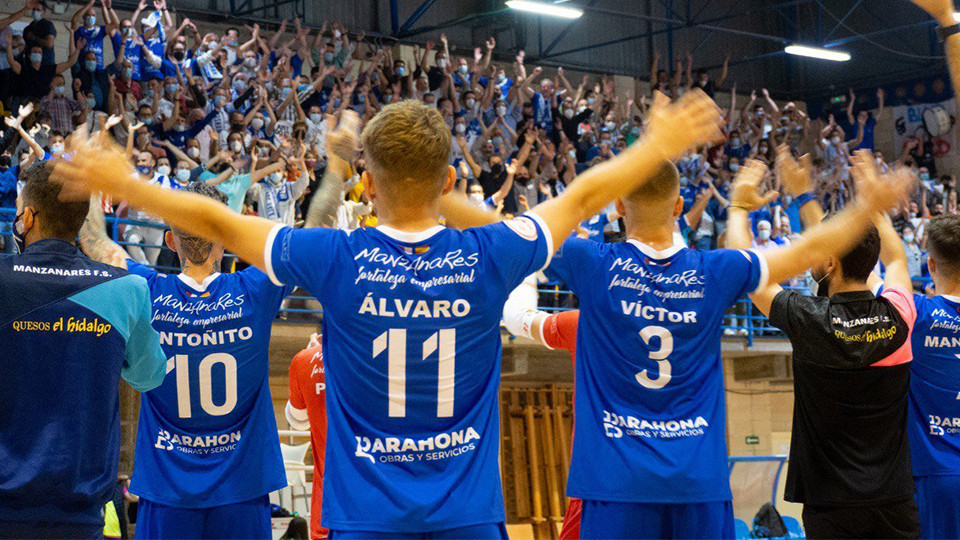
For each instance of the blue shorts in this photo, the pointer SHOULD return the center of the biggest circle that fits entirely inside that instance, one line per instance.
(248, 519)
(491, 531)
(938, 500)
(654, 520)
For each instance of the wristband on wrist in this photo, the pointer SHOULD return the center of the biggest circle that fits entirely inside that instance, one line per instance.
(944, 32)
(805, 198)
(740, 206)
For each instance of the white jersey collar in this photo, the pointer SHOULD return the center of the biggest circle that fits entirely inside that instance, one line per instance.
(199, 287)
(409, 237)
(654, 253)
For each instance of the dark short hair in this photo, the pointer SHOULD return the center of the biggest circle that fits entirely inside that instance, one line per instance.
(60, 219)
(857, 264)
(943, 241)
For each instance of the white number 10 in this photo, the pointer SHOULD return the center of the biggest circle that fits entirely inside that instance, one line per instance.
(180, 363)
(394, 341)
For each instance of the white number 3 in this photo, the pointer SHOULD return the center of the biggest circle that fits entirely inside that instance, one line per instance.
(660, 355)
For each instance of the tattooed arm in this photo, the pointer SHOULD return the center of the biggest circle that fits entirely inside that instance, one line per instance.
(94, 240)
(342, 145)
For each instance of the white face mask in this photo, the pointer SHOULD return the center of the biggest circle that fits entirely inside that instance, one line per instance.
(183, 175)
(568, 113)
(461, 128)
(835, 140)
(471, 102)
(442, 63)
(763, 234)
(316, 118)
(257, 123)
(501, 110)
(56, 148)
(476, 198)
(908, 238)
(236, 146)
(193, 152)
(163, 170)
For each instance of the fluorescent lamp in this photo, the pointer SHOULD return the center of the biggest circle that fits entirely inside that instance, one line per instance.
(956, 16)
(813, 52)
(545, 8)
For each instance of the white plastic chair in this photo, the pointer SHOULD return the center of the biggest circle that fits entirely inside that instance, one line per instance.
(294, 462)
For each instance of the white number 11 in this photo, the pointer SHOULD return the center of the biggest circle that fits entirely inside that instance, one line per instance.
(394, 341)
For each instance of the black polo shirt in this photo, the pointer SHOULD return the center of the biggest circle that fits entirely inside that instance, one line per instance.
(851, 372)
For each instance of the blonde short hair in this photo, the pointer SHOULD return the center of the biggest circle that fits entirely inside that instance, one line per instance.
(664, 185)
(407, 147)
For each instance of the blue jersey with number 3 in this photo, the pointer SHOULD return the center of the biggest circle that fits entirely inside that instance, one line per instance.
(649, 379)
(411, 343)
(934, 426)
(208, 436)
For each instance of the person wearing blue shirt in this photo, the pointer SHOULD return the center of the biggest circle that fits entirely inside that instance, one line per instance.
(649, 456)
(84, 24)
(71, 328)
(934, 422)
(413, 335)
(737, 147)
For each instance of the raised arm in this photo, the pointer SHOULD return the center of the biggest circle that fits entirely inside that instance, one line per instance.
(942, 11)
(673, 128)
(831, 238)
(99, 165)
(342, 145)
(94, 240)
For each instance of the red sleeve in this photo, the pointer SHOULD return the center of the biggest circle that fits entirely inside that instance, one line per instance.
(560, 331)
(296, 369)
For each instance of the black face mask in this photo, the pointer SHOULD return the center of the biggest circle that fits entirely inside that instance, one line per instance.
(5, 161)
(178, 55)
(496, 169)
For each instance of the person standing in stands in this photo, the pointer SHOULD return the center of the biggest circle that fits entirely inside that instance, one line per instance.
(70, 328)
(849, 454)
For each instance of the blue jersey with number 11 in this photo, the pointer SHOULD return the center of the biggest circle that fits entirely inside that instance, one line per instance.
(208, 436)
(650, 405)
(411, 344)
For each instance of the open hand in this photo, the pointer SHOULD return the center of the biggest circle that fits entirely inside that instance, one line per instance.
(745, 193)
(689, 122)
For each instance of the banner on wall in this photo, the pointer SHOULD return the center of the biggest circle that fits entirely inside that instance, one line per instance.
(936, 120)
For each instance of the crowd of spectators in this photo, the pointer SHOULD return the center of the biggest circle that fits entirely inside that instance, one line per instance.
(247, 112)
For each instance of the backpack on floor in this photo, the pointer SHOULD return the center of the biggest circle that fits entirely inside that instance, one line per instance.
(768, 523)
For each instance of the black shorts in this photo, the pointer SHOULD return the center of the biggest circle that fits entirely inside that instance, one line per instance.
(895, 520)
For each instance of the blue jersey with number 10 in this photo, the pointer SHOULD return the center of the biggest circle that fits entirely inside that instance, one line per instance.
(411, 345)
(934, 426)
(649, 379)
(208, 436)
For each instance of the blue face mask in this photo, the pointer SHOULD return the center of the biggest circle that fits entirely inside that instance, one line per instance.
(90, 20)
(284, 92)
(145, 170)
(303, 88)
(92, 102)
(127, 73)
(464, 69)
(497, 141)
(36, 57)
(171, 88)
(734, 167)
(361, 98)
(925, 176)
(91, 65)
(336, 103)
(501, 78)
(147, 121)
(399, 70)
(328, 57)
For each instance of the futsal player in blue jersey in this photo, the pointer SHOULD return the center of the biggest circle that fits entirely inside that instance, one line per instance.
(650, 457)
(934, 425)
(207, 449)
(411, 324)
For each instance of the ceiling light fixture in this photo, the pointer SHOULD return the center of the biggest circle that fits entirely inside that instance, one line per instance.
(545, 8)
(814, 52)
